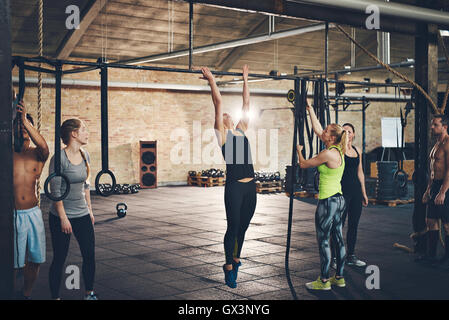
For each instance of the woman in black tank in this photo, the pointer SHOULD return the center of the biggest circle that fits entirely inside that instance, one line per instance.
(240, 190)
(353, 187)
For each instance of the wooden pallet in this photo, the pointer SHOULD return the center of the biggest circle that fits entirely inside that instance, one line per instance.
(304, 194)
(269, 189)
(268, 184)
(202, 181)
(391, 203)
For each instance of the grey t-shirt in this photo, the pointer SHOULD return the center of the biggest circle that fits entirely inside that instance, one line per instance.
(75, 204)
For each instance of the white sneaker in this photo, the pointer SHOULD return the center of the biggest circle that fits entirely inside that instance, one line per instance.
(352, 260)
(91, 296)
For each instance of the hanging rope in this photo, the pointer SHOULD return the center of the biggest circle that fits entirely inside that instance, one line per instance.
(446, 95)
(396, 73)
(39, 80)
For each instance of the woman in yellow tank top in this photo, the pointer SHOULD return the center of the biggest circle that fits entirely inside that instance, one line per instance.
(331, 204)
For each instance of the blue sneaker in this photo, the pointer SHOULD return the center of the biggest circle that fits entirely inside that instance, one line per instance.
(235, 267)
(230, 278)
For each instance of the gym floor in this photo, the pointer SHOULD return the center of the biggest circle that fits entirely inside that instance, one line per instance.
(169, 246)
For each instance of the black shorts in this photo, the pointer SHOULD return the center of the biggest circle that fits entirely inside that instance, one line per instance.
(434, 211)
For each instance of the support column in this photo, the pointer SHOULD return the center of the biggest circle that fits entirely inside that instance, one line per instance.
(6, 159)
(426, 75)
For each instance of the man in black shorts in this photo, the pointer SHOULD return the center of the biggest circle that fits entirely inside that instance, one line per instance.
(437, 195)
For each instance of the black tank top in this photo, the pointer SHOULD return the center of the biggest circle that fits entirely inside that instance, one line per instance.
(350, 181)
(237, 154)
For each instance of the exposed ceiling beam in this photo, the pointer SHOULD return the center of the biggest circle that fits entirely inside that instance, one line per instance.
(93, 8)
(395, 17)
(231, 58)
(228, 44)
(16, 32)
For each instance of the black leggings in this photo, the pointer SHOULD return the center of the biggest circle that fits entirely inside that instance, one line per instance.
(353, 212)
(328, 224)
(84, 233)
(240, 204)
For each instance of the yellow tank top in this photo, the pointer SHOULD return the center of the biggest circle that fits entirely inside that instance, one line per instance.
(330, 179)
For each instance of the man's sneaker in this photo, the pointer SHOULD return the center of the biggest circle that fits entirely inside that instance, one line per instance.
(334, 263)
(235, 267)
(340, 282)
(20, 296)
(352, 260)
(319, 285)
(91, 296)
(230, 278)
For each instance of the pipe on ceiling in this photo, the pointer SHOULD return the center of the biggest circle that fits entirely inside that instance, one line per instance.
(391, 9)
(185, 87)
(229, 44)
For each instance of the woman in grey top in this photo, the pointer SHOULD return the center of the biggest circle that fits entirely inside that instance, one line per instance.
(74, 213)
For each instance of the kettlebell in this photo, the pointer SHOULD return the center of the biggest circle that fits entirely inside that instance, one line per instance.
(121, 209)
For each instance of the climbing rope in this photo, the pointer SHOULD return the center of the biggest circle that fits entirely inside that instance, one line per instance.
(396, 73)
(446, 95)
(39, 80)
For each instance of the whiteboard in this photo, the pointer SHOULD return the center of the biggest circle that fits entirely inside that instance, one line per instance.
(391, 132)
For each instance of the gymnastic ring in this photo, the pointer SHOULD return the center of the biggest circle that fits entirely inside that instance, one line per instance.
(67, 190)
(403, 173)
(291, 95)
(108, 192)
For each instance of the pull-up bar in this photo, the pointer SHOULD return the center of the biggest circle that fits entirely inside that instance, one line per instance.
(90, 66)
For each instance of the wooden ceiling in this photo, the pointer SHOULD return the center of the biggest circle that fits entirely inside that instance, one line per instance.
(125, 29)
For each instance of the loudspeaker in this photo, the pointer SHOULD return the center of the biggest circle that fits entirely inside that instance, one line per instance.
(148, 164)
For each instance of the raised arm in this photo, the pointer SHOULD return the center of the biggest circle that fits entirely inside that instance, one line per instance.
(244, 121)
(217, 101)
(42, 147)
(316, 125)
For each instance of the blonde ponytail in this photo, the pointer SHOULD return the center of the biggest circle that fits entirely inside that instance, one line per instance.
(343, 141)
(341, 136)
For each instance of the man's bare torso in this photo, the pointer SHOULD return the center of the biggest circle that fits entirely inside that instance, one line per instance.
(438, 156)
(27, 171)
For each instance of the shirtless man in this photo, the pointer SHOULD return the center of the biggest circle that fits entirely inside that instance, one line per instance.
(29, 231)
(436, 195)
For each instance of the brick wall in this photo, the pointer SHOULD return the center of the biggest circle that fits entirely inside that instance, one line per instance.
(181, 122)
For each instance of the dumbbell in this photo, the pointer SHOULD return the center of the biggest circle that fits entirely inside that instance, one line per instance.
(105, 187)
(277, 176)
(118, 189)
(125, 188)
(134, 188)
(192, 173)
